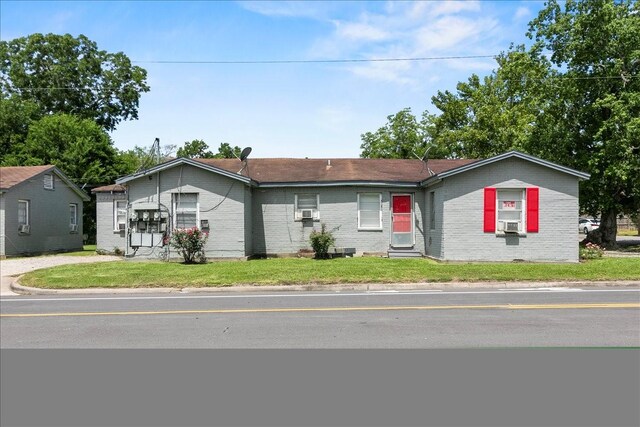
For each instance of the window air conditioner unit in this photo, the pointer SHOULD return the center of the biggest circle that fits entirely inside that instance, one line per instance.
(73, 228)
(307, 214)
(121, 226)
(24, 228)
(511, 226)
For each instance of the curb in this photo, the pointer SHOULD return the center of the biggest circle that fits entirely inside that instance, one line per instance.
(362, 287)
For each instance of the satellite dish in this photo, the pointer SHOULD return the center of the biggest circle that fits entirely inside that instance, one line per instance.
(245, 153)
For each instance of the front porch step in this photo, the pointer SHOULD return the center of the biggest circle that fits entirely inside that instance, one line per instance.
(404, 253)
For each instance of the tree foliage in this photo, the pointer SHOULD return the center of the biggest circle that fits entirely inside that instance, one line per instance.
(198, 149)
(63, 74)
(402, 137)
(579, 107)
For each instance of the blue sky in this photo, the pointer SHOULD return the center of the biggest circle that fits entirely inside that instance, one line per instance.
(281, 110)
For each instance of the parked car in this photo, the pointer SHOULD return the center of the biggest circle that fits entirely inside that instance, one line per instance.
(586, 225)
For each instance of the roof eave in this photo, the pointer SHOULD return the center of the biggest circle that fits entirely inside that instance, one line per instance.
(181, 160)
(84, 196)
(523, 156)
(339, 184)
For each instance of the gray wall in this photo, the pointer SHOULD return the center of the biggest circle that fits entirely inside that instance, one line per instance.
(2, 229)
(275, 231)
(433, 243)
(106, 238)
(463, 195)
(48, 217)
(248, 225)
(221, 201)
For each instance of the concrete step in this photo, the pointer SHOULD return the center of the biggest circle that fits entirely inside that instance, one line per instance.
(404, 253)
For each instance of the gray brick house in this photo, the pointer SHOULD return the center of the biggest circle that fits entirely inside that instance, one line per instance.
(40, 211)
(512, 206)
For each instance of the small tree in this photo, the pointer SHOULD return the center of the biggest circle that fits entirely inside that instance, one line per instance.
(189, 242)
(321, 241)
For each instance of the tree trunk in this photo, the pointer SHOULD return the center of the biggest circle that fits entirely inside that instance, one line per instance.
(605, 235)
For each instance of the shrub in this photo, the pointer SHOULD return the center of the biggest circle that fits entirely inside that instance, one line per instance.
(591, 251)
(189, 242)
(321, 241)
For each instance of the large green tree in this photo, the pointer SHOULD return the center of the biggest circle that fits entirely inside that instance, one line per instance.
(596, 124)
(578, 106)
(198, 149)
(80, 148)
(500, 112)
(66, 74)
(403, 136)
(15, 118)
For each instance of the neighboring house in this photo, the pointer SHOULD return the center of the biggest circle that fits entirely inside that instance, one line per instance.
(509, 207)
(40, 211)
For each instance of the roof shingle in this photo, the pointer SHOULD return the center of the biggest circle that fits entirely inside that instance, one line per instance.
(11, 176)
(272, 171)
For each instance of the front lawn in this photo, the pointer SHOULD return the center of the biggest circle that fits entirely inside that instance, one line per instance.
(307, 271)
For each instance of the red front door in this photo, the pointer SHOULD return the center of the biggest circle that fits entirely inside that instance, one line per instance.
(401, 220)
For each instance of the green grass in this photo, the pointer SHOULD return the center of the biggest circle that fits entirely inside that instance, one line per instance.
(628, 233)
(309, 271)
(86, 251)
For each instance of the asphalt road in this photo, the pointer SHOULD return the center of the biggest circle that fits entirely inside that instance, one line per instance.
(421, 319)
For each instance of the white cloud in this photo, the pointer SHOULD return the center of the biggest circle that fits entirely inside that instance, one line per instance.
(290, 9)
(414, 29)
(359, 31)
(522, 12)
(451, 7)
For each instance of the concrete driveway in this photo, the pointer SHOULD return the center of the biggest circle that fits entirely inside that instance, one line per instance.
(11, 268)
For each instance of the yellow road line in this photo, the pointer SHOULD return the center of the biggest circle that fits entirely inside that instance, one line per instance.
(325, 309)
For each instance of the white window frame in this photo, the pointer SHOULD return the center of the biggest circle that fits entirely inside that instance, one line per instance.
(500, 228)
(73, 219)
(175, 197)
(298, 211)
(116, 223)
(379, 226)
(48, 181)
(27, 213)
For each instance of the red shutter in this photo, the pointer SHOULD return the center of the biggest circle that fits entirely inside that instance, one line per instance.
(532, 209)
(489, 210)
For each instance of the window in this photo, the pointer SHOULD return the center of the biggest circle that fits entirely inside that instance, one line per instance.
(73, 217)
(48, 181)
(511, 210)
(306, 206)
(432, 210)
(185, 207)
(369, 211)
(119, 215)
(23, 217)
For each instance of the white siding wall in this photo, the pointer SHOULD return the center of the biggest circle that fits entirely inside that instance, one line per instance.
(463, 195)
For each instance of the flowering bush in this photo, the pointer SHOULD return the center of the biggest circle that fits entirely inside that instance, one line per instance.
(189, 242)
(591, 251)
(321, 241)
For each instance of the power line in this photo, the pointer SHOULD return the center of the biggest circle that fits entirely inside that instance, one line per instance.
(314, 61)
(550, 78)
